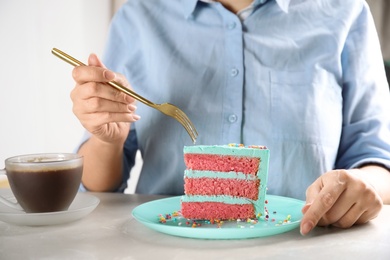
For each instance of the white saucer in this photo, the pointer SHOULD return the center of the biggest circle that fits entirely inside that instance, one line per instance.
(82, 205)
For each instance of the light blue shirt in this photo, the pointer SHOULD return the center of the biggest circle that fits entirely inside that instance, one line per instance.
(305, 78)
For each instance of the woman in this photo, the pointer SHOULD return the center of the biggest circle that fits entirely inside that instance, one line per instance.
(304, 78)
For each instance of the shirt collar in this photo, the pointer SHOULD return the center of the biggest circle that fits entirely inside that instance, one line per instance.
(189, 5)
(283, 4)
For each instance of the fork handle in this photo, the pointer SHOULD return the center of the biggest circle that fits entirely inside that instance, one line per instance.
(69, 59)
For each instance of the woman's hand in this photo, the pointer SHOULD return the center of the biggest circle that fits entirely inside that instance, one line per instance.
(104, 111)
(340, 198)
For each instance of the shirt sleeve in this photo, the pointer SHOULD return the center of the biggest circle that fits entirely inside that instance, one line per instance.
(365, 136)
(129, 153)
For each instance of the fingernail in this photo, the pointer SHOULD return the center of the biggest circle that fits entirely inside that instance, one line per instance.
(132, 107)
(306, 228)
(305, 208)
(136, 117)
(129, 99)
(109, 75)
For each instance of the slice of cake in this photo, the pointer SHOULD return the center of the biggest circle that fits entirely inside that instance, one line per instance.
(224, 182)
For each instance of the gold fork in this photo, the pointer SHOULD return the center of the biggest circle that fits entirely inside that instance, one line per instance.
(165, 108)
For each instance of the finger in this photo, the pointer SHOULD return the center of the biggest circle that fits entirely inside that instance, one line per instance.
(82, 74)
(93, 60)
(358, 203)
(305, 208)
(94, 72)
(97, 72)
(365, 217)
(331, 186)
(99, 105)
(311, 193)
(316, 211)
(106, 100)
(360, 213)
(107, 118)
(349, 218)
(342, 205)
(95, 121)
(98, 90)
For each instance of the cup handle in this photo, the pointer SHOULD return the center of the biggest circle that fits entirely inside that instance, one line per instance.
(7, 202)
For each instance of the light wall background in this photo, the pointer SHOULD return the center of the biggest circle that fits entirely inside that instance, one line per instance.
(35, 107)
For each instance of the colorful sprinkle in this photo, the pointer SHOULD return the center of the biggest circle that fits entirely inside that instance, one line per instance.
(176, 219)
(249, 146)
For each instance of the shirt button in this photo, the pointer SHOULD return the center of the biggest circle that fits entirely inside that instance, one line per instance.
(231, 25)
(234, 72)
(232, 118)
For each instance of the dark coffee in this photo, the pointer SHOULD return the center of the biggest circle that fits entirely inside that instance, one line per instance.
(45, 191)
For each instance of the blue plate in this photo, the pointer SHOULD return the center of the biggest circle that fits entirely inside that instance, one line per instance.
(284, 214)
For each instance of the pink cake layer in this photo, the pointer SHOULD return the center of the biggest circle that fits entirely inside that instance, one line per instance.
(216, 210)
(214, 186)
(222, 163)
